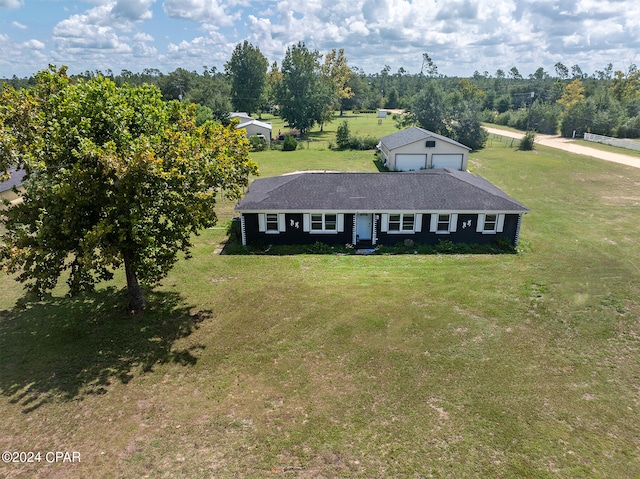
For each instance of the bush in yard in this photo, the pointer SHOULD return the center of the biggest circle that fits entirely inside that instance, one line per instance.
(527, 142)
(363, 142)
(343, 136)
(289, 143)
(258, 143)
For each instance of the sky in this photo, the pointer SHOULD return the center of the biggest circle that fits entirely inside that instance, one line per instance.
(460, 36)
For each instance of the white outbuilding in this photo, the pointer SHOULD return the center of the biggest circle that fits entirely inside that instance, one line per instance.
(417, 149)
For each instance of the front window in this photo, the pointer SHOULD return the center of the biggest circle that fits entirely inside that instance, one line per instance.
(443, 223)
(272, 222)
(401, 223)
(394, 222)
(408, 222)
(330, 222)
(317, 223)
(490, 223)
(324, 223)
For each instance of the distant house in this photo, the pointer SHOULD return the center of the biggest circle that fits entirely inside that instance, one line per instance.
(378, 208)
(7, 191)
(416, 149)
(240, 115)
(252, 126)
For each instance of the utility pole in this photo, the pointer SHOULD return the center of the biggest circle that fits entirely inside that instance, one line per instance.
(529, 112)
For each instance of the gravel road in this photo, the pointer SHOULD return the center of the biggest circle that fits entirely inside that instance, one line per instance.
(554, 141)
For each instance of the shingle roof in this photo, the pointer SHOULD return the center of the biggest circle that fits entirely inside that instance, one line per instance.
(413, 134)
(15, 179)
(427, 190)
(262, 124)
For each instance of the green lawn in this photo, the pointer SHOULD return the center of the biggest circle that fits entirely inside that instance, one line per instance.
(459, 366)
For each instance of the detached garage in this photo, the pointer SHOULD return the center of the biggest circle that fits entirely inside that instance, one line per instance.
(416, 149)
(406, 162)
(451, 161)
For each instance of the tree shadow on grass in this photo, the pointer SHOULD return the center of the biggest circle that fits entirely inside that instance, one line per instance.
(66, 348)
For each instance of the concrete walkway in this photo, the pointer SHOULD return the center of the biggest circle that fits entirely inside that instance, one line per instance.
(566, 144)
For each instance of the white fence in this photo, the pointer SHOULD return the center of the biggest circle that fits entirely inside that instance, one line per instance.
(607, 140)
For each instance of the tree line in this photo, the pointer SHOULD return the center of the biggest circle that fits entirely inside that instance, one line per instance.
(310, 89)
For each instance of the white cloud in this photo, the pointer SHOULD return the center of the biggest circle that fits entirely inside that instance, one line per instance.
(11, 3)
(201, 11)
(34, 44)
(460, 35)
(133, 10)
(143, 37)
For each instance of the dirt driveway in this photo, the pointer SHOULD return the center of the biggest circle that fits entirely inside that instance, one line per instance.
(554, 141)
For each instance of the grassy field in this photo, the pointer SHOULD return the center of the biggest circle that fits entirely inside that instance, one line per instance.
(445, 366)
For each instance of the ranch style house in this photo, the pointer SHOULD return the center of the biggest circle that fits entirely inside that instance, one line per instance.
(368, 209)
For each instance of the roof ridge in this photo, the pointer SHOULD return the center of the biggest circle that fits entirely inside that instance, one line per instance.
(487, 186)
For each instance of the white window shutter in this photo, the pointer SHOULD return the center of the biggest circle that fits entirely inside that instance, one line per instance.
(262, 222)
(417, 223)
(480, 227)
(340, 222)
(384, 227)
(306, 222)
(433, 227)
(453, 222)
(282, 224)
(500, 225)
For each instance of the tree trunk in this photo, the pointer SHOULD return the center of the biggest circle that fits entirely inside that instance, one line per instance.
(136, 295)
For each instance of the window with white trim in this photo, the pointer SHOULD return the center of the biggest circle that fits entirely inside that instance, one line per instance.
(396, 223)
(271, 225)
(490, 223)
(323, 223)
(408, 222)
(443, 223)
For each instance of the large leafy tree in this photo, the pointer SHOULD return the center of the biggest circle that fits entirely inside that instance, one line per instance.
(456, 115)
(301, 94)
(115, 177)
(247, 70)
(430, 109)
(574, 93)
(337, 70)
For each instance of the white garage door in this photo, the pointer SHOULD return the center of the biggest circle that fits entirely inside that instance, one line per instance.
(411, 162)
(447, 161)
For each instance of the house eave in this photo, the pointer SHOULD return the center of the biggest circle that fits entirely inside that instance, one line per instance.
(380, 211)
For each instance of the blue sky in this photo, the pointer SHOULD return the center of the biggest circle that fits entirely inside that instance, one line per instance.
(461, 36)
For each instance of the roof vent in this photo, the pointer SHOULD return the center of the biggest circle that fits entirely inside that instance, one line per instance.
(431, 143)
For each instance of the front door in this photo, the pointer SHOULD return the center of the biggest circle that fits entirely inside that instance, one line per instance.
(364, 226)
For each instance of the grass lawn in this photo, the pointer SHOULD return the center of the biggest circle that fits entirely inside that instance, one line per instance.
(447, 366)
